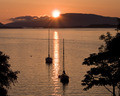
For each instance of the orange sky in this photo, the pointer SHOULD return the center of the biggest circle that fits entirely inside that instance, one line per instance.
(15, 8)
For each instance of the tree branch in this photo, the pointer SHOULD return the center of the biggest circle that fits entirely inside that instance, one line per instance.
(108, 89)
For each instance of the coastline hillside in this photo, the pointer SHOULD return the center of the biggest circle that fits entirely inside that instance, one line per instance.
(1, 25)
(68, 20)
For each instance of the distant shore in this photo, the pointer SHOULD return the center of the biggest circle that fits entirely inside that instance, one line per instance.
(68, 20)
(90, 26)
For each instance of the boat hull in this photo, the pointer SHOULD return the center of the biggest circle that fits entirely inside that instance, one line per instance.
(64, 78)
(48, 60)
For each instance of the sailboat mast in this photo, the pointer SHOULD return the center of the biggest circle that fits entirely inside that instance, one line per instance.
(48, 42)
(63, 56)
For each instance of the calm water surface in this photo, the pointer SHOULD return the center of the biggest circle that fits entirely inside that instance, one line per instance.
(27, 49)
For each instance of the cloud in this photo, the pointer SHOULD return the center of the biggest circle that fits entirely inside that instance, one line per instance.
(24, 18)
(29, 21)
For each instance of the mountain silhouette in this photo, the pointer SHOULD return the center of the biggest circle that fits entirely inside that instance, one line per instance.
(1, 25)
(88, 19)
(68, 20)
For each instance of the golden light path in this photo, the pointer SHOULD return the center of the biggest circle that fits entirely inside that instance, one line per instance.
(55, 61)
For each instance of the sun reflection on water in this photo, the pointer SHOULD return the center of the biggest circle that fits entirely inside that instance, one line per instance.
(55, 61)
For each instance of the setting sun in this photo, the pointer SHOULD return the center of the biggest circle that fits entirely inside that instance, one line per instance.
(56, 13)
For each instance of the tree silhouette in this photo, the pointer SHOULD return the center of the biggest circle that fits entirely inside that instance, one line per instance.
(106, 70)
(118, 25)
(7, 76)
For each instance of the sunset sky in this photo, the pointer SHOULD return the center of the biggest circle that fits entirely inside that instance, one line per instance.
(15, 8)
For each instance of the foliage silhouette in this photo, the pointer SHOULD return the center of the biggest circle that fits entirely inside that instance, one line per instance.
(118, 25)
(106, 63)
(7, 76)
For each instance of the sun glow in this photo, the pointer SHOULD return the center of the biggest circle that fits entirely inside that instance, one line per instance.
(56, 13)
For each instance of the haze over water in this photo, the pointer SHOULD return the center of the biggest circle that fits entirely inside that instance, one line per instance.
(27, 49)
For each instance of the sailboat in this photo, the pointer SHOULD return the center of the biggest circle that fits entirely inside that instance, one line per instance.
(48, 59)
(64, 78)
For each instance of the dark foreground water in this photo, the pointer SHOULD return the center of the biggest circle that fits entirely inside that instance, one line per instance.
(27, 49)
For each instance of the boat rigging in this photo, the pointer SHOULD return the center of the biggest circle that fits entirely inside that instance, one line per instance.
(48, 59)
(64, 78)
